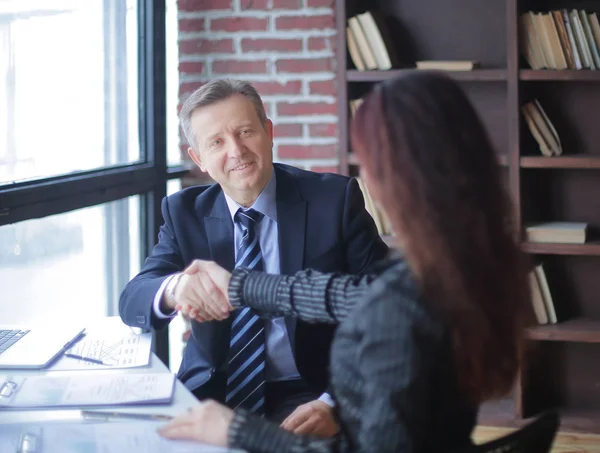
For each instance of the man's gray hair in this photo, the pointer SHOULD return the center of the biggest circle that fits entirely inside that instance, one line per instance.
(215, 91)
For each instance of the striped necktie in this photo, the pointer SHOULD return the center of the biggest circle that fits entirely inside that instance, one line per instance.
(246, 361)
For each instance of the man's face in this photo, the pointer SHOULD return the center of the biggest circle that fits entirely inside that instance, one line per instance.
(234, 148)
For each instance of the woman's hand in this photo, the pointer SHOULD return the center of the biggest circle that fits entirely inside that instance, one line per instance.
(208, 423)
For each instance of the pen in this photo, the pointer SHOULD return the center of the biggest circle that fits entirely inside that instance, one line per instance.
(87, 359)
(107, 415)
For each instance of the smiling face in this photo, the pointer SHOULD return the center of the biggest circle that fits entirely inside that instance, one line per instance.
(233, 147)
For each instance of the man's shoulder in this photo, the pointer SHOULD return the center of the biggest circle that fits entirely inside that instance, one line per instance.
(314, 181)
(190, 196)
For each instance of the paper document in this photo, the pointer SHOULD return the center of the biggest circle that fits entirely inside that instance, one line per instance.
(86, 389)
(114, 352)
(129, 437)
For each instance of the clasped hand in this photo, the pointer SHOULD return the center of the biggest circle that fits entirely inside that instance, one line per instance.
(202, 292)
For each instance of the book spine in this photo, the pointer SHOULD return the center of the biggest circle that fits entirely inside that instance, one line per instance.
(572, 41)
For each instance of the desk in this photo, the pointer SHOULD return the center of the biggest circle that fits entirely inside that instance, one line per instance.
(182, 397)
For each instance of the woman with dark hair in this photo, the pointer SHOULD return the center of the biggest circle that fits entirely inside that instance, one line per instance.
(435, 329)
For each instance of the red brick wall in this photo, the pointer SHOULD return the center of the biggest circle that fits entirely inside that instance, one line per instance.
(285, 48)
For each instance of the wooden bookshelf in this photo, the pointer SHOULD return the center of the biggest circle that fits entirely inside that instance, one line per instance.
(539, 248)
(574, 330)
(561, 371)
(478, 75)
(565, 161)
(560, 76)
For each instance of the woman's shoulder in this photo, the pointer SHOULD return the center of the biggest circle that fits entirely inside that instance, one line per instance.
(395, 295)
(395, 279)
(395, 268)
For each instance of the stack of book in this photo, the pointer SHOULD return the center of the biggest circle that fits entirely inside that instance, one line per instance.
(368, 42)
(560, 39)
(383, 225)
(541, 299)
(448, 65)
(354, 105)
(557, 232)
(542, 129)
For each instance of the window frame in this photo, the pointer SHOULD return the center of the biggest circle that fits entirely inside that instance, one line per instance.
(148, 178)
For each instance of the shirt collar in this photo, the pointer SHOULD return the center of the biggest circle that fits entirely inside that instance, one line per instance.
(265, 203)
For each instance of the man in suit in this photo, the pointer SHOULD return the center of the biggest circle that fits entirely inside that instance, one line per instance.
(259, 215)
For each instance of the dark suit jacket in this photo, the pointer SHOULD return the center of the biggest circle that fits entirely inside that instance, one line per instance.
(322, 224)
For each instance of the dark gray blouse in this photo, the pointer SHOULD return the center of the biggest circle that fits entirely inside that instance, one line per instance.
(392, 373)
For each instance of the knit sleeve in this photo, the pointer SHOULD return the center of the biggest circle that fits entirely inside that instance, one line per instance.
(309, 295)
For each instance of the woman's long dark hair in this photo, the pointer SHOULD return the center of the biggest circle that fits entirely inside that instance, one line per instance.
(433, 170)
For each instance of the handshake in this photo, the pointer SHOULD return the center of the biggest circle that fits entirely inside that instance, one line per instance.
(201, 292)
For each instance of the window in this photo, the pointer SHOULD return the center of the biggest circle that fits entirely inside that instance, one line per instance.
(178, 327)
(68, 86)
(172, 69)
(71, 265)
(83, 161)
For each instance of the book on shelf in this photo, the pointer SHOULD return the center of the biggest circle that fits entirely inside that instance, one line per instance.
(595, 26)
(578, 41)
(378, 39)
(354, 51)
(557, 232)
(587, 28)
(541, 298)
(369, 44)
(354, 104)
(560, 39)
(542, 129)
(573, 47)
(448, 65)
(563, 36)
(580, 37)
(541, 285)
(535, 132)
(537, 299)
(366, 53)
(381, 221)
(539, 27)
(530, 43)
(553, 41)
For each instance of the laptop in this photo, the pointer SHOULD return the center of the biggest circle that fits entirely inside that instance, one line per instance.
(34, 347)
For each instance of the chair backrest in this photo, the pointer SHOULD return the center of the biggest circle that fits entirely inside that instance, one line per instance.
(536, 437)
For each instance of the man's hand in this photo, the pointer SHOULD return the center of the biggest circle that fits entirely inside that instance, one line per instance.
(315, 418)
(200, 295)
(204, 291)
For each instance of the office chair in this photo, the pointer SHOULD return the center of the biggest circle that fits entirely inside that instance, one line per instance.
(536, 437)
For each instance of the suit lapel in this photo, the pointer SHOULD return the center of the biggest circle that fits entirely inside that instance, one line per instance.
(291, 219)
(219, 233)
